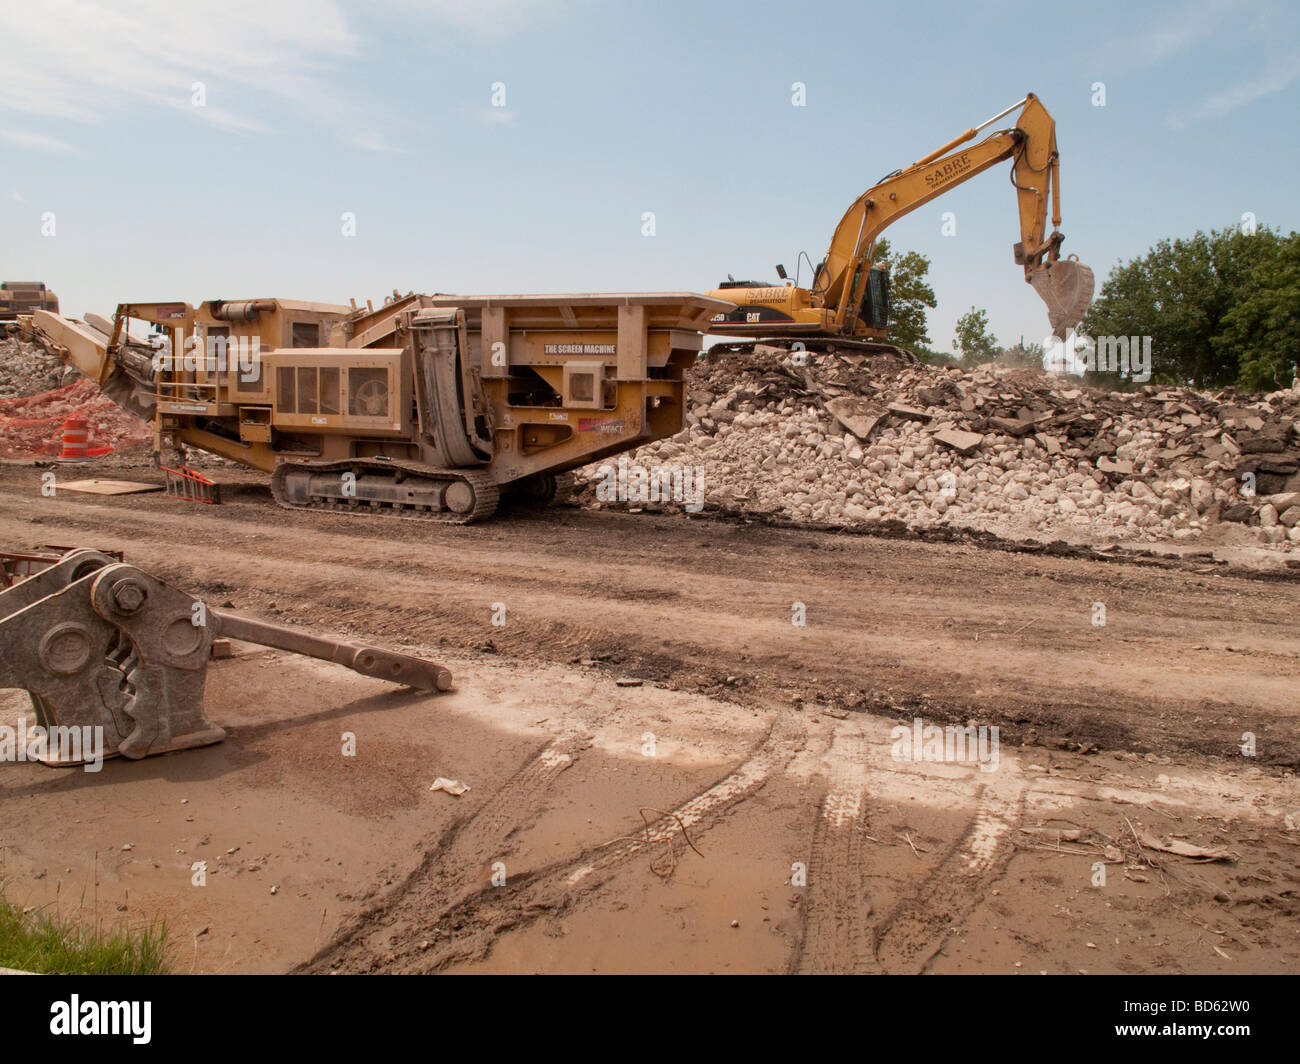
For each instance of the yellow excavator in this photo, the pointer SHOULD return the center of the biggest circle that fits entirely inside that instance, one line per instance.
(846, 308)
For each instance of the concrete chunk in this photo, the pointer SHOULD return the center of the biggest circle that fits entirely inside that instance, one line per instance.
(959, 441)
(1011, 426)
(909, 413)
(854, 417)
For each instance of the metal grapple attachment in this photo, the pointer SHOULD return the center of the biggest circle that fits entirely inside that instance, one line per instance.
(1066, 286)
(101, 644)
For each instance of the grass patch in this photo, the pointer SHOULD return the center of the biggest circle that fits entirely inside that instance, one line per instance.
(38, 941)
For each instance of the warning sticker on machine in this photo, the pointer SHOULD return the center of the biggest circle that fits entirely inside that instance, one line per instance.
(600, 424)
(580, 349)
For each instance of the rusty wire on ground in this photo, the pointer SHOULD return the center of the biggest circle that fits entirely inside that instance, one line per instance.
(668, 840)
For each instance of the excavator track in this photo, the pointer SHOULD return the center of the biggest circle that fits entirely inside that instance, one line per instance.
(825, 345)
(540, 490)
(387, 489)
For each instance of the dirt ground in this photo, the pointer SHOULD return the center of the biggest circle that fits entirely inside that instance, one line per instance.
(741, 809)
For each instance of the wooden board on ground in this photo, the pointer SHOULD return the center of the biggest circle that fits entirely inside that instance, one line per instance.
(109, 487)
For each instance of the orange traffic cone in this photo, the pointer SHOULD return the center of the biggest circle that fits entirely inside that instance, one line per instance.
(76, 440)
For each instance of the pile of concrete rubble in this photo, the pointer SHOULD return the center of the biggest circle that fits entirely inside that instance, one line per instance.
(843, 440)
(26, 369)
(38, 393)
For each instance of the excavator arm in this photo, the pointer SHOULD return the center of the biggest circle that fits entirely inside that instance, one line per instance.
(1065, 285)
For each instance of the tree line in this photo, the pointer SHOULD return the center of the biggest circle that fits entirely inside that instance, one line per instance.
(1222, 308)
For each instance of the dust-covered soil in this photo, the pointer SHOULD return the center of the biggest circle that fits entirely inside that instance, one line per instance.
(748, 807)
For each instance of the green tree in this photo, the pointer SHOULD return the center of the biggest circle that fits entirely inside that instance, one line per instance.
(909, 295)
(973, 340)
(1026, 356)
(1262, 328)
(930, 357)
(1182, 293)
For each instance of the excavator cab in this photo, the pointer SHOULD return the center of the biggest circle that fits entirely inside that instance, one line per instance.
(874, 311)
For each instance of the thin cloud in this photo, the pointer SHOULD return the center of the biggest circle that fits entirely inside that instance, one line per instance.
(372, 140)
(85, 61)
(37, 141)
(220, 117)
(1278, 76)
(1196, 22)
(1200, 25)
(1171, 35)
(484, 17)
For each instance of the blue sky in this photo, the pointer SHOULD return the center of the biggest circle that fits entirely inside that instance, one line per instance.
(314, 108)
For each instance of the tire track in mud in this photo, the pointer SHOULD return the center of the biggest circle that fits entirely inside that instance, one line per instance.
(461, 924)
(837, 934)
(839, 937)
(914, 932)
(456, 860)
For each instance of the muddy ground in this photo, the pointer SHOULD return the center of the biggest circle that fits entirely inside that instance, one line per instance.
(782, 834)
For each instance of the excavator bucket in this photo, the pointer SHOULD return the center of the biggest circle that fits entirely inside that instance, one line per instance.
(103, 645)
(1066, 287)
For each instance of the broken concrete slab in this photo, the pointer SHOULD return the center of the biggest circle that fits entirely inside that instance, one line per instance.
(1109, 465)
(1011, 426)
(1261, 444)
(854, 416)
(908, 413)
(936, 396)
(961, 442)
